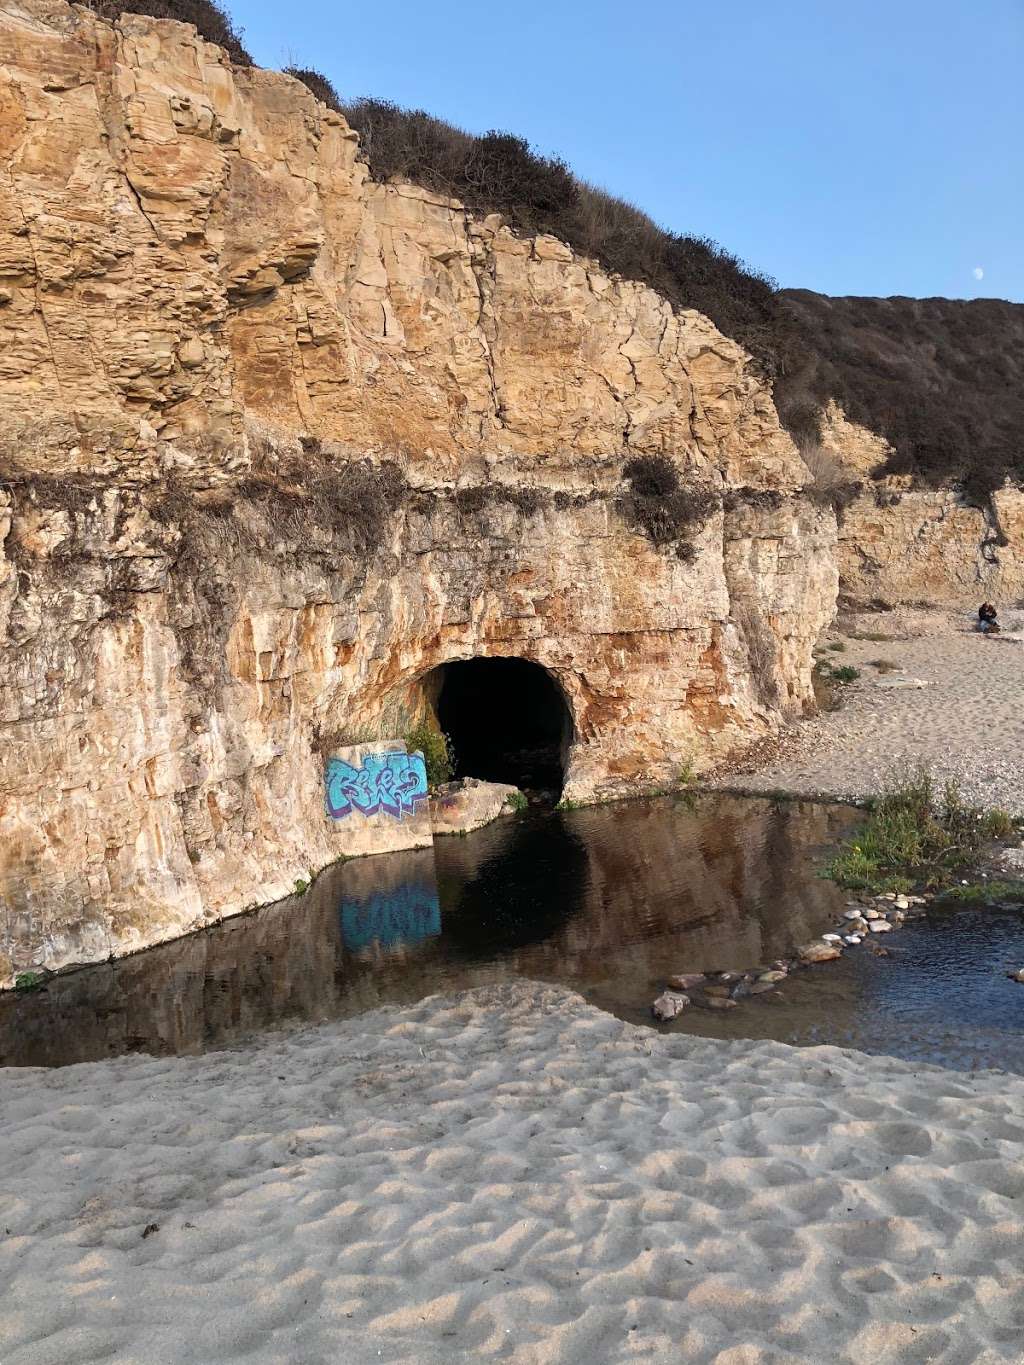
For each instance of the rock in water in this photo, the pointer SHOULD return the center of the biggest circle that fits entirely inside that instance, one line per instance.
(1018, 975)
(686, 981)
(770, 978)
(831, 938)
(715, 1002)
(669, 1004)
(853, 939)
(817, 951)
(880, 926)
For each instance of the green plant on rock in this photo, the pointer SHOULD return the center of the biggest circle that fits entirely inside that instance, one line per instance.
(436, 748)
(913, 837)
(516, 801)
(29, 981)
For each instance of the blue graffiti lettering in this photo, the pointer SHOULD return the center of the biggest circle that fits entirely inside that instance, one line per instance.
(390, 782)
(407, 915)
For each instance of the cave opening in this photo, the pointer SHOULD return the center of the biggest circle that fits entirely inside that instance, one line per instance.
(507, 720)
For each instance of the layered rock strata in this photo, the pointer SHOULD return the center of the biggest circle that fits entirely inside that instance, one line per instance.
(901, 545)
(277, 442)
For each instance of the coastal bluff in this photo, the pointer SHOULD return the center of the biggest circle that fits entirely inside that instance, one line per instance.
(279, 442)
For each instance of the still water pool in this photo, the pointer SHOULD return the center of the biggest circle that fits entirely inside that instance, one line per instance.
(609, 901)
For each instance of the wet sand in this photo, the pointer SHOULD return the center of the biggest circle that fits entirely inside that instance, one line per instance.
(510, 1174)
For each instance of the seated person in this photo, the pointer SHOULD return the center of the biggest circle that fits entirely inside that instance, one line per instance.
(987, 617)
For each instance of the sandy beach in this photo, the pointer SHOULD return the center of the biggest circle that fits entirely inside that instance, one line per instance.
(510, 1174)
(966, 722)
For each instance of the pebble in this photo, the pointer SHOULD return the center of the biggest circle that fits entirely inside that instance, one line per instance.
(1018, 975)
(713, 1002)
(880, 926)
(872, 914)
(760, 987)
(818, 951)
(686, 981)
(669, 1004)
(853, 938)
(770, 978)
(717, 991)
(853, 914)
(902, 903)
(831, 938)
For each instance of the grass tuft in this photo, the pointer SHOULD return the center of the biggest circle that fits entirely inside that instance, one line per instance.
(913, 837)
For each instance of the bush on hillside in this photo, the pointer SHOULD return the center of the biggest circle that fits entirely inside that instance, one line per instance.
(941, 379)
(318, 84)
(210, 20)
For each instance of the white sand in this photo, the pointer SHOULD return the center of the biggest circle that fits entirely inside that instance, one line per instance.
(510, 1174)
(967, 723)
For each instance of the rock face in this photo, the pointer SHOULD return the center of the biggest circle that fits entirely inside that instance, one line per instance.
(899, 545)
(278, 442)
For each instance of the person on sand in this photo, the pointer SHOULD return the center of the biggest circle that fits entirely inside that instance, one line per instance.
(987, 622)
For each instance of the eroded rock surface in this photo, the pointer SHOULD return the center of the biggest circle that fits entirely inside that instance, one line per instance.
(278, 441)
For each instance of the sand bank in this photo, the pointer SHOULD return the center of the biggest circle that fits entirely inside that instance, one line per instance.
(966, 722)
(510, 1174)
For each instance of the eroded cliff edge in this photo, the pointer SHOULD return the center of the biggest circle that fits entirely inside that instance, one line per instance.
(277, 441)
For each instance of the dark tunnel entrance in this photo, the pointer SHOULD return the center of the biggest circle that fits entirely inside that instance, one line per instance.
(507, 721)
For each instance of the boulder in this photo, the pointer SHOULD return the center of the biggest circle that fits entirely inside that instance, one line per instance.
(668, 1005)
(818, 951)
(458, 807)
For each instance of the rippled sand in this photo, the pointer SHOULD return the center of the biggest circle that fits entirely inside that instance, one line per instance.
(510, 1174)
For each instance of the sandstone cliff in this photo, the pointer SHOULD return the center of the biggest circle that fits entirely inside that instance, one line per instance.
(277, 441)
(903, 544)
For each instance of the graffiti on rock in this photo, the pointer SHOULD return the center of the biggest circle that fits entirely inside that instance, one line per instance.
(392, 782)
(406, 915)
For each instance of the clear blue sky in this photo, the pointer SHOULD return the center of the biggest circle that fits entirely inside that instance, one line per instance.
(875, 147)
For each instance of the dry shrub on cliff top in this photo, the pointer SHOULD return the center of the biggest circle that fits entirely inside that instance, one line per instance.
(209, 19)
(831, 483)
(318, 84)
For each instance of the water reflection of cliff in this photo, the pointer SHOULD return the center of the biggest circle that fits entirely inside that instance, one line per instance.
(608, 900)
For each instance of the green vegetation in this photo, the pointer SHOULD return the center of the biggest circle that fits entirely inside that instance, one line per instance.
(29, 981)
(437, 752)
(846, 674)
(980, 893)
(301, 886)
(913, 838)
(516, 801)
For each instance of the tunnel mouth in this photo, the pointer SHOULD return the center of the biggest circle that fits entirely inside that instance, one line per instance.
(506, 720)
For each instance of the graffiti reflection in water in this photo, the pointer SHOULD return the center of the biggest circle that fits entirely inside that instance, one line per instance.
(403, 916)
(392, 782)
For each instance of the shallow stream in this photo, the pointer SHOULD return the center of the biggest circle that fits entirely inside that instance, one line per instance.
(608, 900)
